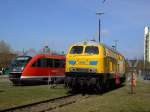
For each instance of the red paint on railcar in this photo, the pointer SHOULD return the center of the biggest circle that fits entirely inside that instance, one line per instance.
(44, 66)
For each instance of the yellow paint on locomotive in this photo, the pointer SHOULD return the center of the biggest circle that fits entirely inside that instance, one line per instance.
(106, 61)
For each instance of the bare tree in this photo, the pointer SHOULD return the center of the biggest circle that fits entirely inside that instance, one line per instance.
(30, 52)
(4, 47)
(6, 54)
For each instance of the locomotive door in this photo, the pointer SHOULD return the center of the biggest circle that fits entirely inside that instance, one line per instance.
(107, 64)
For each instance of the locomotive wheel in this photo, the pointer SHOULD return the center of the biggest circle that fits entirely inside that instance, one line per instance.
(113, 84)
(91, 84)
(99, 86)
(107, 85)
(68, 82)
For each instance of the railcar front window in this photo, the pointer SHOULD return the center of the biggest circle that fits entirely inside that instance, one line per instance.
(20, 62)
(76, 50)
(91, 50)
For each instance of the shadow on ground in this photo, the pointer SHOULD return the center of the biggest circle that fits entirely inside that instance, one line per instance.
(92, 91)
(1, 91)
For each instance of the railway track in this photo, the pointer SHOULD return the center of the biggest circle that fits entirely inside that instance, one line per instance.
(47, 105)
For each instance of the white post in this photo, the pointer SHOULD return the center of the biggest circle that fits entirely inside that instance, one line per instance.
(49, 80)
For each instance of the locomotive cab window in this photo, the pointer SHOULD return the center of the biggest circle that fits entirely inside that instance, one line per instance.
(91, 50)
(76, 50)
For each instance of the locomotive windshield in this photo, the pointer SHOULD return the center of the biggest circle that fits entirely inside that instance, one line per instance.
(76, 50)
(91, 50)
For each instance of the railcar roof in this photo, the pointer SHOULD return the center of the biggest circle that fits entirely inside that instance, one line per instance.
(23, 56)
(49, 56)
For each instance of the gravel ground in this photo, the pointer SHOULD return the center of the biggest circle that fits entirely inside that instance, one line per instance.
(44, 107)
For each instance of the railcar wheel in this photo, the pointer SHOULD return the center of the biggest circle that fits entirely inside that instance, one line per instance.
(17, 83)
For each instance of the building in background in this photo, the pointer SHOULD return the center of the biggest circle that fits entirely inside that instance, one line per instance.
(146, 45)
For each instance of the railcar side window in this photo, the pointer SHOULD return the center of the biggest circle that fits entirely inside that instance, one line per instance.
(59, 63)
(91, 50)
(40, 63)
(49, 62)
(76, 50)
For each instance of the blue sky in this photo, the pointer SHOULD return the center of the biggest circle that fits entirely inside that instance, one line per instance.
(28, 24)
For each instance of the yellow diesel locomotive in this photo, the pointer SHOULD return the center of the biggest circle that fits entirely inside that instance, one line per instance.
(93, 65)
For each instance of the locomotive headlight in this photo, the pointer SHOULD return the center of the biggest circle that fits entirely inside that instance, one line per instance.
(72, 69)
(92, 70)
(93, 62)
(72, 62)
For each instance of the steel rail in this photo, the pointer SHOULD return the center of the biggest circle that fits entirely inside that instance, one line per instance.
(35, 103)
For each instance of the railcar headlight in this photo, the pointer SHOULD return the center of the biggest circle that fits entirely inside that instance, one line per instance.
(22, 68)
(93, 62)
(72, 62)
(14, 69)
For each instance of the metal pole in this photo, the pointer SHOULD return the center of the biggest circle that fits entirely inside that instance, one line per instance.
(99, 30)
(132, 82)
(115, 44)
(98, 13)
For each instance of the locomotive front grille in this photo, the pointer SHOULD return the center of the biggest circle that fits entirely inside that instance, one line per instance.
(82, 70)
(85, 70)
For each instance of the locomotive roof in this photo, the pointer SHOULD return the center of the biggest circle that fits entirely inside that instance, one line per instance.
(86, 42)
(94, 43)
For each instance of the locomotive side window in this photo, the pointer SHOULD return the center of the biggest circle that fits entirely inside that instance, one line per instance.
(91, 50)
(76, 50)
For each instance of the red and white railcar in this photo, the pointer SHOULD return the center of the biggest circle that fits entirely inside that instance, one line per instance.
(43, 67)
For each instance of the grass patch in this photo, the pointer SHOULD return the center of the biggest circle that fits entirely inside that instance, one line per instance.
(18, 95)
(118, 100)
